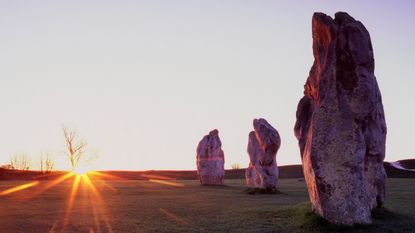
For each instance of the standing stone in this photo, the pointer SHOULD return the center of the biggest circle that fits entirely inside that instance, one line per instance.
(210, 159)
(263, 145)
(341, 125)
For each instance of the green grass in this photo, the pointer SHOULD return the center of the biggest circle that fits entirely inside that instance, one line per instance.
(384, 220)
(142, 206)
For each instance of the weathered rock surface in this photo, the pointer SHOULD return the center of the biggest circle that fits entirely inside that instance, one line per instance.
(341, 125)
(263, 145)
(210, 159)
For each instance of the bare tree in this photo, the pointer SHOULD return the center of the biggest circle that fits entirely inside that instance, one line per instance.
(235, 166)
(20, 162)
(46, 163)
(41, 162)
(49, 165)
(75, 147)
(13, 161)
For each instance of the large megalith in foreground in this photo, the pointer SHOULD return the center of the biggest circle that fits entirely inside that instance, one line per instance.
(263, 145)
(210, 159)
(341, 125)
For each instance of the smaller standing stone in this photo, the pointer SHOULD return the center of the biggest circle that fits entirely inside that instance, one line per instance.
(210, 159)
(263, 145)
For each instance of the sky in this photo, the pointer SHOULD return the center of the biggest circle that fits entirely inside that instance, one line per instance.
(144, 81)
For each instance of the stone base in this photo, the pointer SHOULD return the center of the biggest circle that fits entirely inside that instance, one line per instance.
(211, 180)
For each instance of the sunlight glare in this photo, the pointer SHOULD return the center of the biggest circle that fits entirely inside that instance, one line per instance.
(173, 216)
(99, 199)
(50, 184)
(19, 188)
(81, 170)
(71, 199)
(165, 182)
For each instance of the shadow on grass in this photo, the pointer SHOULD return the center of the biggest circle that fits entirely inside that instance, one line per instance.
(253, 191)
(383, 220)
(217, 186)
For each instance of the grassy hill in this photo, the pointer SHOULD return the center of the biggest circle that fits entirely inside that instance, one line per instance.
(408, 163)
(285, 172)
(145, 206)
(398, 173)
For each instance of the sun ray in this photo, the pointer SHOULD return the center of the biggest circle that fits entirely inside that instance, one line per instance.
(18, 188)
(104, 175)
(165, 182)
(94, 174)
(98, 208)
(107, 223)
(71, 200)
(49, 185)
(57, 181)
(100, 201)
(173, 216)
(157, 177)
(52, 229)
(92, 187)
(96, 217)
(108, 186)
(85, 206)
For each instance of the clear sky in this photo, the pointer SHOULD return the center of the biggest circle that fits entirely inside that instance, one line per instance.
(144, 81)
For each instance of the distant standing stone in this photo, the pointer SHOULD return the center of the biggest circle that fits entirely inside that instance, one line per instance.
(263, 145)
(210, 159)
(341, 125)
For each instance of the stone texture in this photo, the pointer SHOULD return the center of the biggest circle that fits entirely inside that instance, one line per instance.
(263, 145)
(341, 125)
(210, 159)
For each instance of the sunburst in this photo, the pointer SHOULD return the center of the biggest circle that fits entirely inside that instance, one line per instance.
(86, 181)
(80, 178)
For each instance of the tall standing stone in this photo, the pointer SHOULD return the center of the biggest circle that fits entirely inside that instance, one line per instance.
(263, 145)
(210, 159)
(341, 125)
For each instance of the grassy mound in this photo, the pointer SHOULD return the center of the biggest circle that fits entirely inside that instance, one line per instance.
(383, 219)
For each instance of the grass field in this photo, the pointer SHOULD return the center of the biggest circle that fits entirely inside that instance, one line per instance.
(182, 206)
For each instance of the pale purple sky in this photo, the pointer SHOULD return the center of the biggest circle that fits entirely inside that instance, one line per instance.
(144, 81)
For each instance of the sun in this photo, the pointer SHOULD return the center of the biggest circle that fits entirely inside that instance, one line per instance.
(81, 170)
